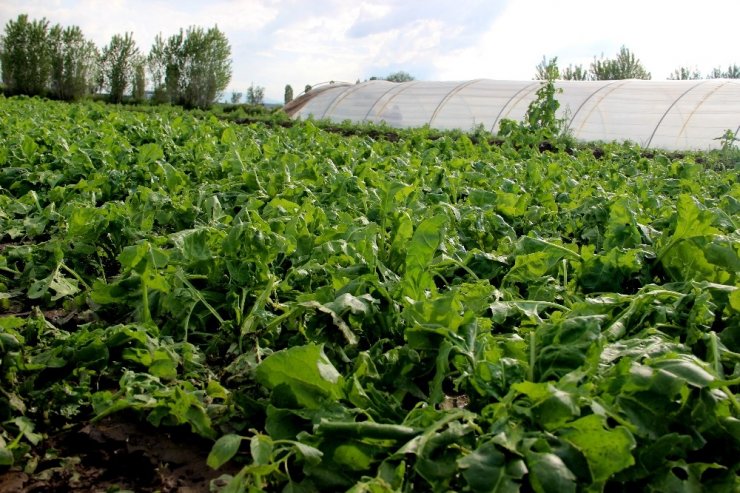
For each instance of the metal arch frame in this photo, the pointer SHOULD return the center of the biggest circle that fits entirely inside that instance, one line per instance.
(657, 125)
(380, 98)
(618, 83)
(699, 104)
(454, 91)
(404, 87)
(527, 88)
(338, 98)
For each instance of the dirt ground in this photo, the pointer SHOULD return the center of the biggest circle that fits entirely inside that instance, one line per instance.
(115, 456)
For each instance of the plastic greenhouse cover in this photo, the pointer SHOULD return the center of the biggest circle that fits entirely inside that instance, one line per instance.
(673, 115)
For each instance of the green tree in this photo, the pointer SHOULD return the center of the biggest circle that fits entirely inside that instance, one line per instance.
(208, 67)
(236, 97)
(74, 63)
(175, 60)
(547, 69)
(195, 65)
(399, 76)
(624, 66)
(156, 62)
(255, 94)
(25, 56)
(575, 72)
(288, 94)
(307, 88)
(732, 72)
(118, 61)
(685, 73)
(138, 82)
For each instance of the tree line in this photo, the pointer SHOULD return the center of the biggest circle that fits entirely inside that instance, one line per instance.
(190, 68)
(625, 65)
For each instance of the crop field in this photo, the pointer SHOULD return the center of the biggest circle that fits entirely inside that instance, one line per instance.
(185, 301)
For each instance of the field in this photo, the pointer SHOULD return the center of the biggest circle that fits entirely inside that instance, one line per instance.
(296, 310)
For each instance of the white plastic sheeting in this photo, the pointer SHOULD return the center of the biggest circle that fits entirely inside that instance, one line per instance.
(673, 115)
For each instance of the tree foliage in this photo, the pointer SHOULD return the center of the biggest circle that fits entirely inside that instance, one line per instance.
(575, 72)
(157, 64)
(193, 66)
(732, 72)
(118, 62)
(288, 94)
(138, 82)
(74, 63)
(399, 76)
(255, 94)
(685, 73)
(624, 66)
(547, 69)
(25, 56)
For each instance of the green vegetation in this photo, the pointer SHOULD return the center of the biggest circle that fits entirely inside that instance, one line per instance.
(732, 72)
(288, 97)
(118, 60)
(346, 313)
(685, 73)
(36, 59)
(191, 68)
(255, 95)
(623, 66)
(400, 76)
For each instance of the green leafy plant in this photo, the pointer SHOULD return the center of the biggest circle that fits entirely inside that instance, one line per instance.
(340, 310)
(541, 123)
(729, 154)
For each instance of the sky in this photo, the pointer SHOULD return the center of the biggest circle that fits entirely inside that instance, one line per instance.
(299, 42)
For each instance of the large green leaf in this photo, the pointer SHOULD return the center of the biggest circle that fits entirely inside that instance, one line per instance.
(424, 243)
(487, 469)
(223, 450)
(607, 451)
(306, 371)
(549, 474)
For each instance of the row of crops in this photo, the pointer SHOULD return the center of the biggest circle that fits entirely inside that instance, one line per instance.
(345, 313)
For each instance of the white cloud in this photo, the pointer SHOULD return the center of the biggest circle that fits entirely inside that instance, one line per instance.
(664, 35)
(275, 42)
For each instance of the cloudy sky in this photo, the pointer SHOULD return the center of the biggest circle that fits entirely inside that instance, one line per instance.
(299, 42)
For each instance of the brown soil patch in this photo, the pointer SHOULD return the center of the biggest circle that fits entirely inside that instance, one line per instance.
(117, 455)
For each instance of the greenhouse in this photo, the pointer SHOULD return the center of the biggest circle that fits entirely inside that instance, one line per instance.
(672, 115)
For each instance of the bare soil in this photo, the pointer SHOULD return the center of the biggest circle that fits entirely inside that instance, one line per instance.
(116, 455)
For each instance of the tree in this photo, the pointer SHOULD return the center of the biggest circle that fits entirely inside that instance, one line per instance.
(624, 66)
(288, 94)
(255, 94)
(685, 73)
(156, 62)
(547, 69)
(732, 72)
(138, 82)
(576, 72)
(236, 97)
(25, 56)
(399, 76)
(307, 88)
(118, 61)
(193, 67)
(74, 63)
